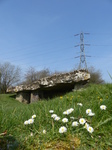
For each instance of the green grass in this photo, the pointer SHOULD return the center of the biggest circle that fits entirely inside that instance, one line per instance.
(18, 136)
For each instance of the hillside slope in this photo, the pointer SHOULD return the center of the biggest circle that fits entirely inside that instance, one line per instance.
(44, 130)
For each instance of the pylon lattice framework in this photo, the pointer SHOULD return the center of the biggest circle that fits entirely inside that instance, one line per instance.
(82, 63)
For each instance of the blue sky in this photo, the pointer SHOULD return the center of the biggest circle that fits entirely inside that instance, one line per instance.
(40, 33)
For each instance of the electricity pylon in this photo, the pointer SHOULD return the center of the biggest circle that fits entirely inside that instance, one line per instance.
(82, 63)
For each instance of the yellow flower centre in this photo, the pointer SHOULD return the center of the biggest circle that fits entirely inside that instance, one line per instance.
(89, 129)
(82, 121)
(62, 129)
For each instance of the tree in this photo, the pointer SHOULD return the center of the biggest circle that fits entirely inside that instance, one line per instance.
(9, 75)
(96, 76)
(30, 76)
(33, 75)
(43, 73)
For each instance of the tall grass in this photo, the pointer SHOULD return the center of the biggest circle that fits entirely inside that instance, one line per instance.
(13, 114)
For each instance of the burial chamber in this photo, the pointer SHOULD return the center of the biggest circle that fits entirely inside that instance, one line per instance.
(50, 86)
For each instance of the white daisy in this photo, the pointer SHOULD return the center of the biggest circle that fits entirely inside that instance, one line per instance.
(57, 118)
(53, 115)
(51, 111)
(64, 120)
(82, 121)
(86, 125)
(62, 129)
(44, 131)
(30, 121)
(31, 134)
(80, 104)
(34, 116)
(65, 112)
(88, 111)
(91, 114)
(90, 129)
(103, 107)
(69, 111)
(26, 122)
(75, 123)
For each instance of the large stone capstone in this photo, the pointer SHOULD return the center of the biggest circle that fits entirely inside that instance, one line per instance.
(49, 86)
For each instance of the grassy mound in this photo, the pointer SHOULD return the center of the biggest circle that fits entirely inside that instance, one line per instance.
(43, 132)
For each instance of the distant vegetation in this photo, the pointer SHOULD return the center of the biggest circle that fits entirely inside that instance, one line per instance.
(32, 75)
(96, 76)
(9, 75)
(80, 120)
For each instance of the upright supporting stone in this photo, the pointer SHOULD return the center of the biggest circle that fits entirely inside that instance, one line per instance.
(23, 97)
(34, 96)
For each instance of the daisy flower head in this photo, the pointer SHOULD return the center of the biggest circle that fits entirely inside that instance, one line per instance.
(34, 116)
(62, 129)
(90, 129)
(88, 111)
(86, 125)
(103, 107)
(51, 111)
(31, 134)
(44, 131)
(91, 114)
(53, 115)
(65, 112)
(57, 118)
(75, 123)
(26, 122)
(82, 121)
(31, 121)
(80, 104)
(69, 111)
(64, 120)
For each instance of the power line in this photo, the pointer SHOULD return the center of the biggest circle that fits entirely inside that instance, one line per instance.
(82, 54)
(28, 55)
(52, 62)
(99, 45)
(101, 33)
(37, 45)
